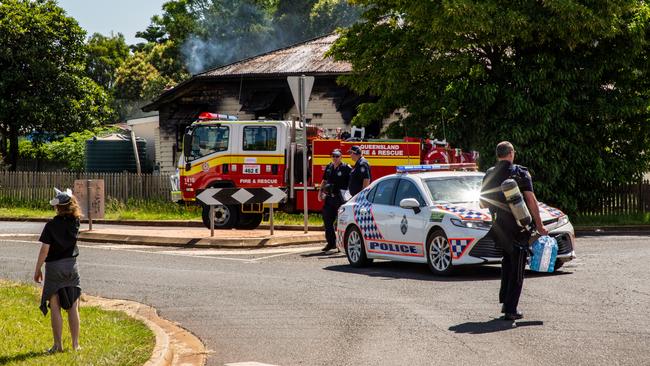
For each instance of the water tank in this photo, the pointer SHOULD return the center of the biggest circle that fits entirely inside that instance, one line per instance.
(114, 154)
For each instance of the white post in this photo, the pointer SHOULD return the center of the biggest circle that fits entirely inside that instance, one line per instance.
(305, 148)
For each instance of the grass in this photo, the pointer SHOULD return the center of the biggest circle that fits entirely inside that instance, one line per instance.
(164, 210)
(630, 219)
(107, 337)
(137, 210)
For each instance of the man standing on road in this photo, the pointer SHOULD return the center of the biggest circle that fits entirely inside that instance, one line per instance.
(360, 175)
(508, 235)
(335, 180)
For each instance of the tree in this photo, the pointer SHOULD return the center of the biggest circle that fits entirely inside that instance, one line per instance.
(42, 82)
(104, 55)
(567, 83)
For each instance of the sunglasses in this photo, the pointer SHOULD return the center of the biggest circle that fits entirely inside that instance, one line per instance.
(336, 156)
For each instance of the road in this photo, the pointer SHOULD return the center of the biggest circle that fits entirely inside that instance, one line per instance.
(293, 306)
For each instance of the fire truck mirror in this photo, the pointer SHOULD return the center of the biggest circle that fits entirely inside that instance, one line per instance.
(187, 145)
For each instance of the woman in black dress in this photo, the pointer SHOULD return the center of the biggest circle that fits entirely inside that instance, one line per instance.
(59, 253)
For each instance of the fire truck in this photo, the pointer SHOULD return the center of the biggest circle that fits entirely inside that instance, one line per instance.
(220, 151)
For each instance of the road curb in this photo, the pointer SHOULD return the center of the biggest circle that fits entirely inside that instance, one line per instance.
(175, 346)
(267, 241)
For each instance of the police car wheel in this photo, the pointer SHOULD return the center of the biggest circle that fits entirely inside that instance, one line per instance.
(225, 217)
(439, 253)
(355, 249)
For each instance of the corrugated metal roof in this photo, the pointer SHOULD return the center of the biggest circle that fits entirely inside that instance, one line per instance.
(307, 57)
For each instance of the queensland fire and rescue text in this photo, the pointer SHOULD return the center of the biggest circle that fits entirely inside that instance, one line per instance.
(221, 152)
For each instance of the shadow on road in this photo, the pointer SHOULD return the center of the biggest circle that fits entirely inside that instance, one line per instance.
(324, 255)
(401, 270)
(491, 326)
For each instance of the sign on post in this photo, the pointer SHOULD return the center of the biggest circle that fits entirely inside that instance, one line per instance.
(241, 196)
(90, 195)
(301, 90)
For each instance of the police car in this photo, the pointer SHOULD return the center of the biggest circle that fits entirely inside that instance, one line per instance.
(430, 214)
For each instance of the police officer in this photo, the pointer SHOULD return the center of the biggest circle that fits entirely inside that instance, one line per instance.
(507, 234)
(360, 175)
(335, 180)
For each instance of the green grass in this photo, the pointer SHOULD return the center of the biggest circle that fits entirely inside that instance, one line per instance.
(631, 219)
(107, 337)
(137, 210)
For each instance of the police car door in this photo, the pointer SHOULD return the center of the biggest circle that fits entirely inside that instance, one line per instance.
(406, 228)
(377, 244)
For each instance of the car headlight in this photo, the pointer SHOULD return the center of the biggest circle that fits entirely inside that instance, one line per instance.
(472, 224)
(563, 220)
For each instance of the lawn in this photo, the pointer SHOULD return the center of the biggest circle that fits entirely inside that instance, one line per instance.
(107, 337)
(137, 210)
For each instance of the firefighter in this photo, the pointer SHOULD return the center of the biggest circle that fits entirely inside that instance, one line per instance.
(508, 235)
(332, 188)
(360, 174)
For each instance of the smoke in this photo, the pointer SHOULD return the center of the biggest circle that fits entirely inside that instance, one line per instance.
(233, 30)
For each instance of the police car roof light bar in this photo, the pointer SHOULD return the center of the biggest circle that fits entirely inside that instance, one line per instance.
(436, 167)
(212, 116)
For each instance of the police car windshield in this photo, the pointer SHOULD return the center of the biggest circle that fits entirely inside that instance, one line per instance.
(455, 189)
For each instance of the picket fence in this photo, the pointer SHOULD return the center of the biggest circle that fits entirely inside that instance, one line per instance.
(119, 186)
(620, 199)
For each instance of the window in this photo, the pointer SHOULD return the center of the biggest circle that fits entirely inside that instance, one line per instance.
(406, 189)
(208, 140)
(455, 189)
(385, 191)
(260, 138)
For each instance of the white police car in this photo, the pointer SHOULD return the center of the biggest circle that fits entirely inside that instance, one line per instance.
(430, 214)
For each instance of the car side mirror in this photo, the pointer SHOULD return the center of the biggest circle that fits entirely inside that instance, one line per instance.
(410, 203)
(187, 145)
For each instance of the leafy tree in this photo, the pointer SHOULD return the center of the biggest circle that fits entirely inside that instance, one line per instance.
(566, 82)
(43, 86)
(104, 55)
(70, 150)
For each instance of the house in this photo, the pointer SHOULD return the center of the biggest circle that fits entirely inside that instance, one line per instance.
(147, 128)
(257, 88)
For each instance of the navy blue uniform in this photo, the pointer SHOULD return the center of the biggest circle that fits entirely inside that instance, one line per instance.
(506, 233)
(360, 172)
(337, 178)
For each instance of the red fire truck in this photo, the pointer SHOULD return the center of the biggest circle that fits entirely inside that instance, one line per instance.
(222, 152)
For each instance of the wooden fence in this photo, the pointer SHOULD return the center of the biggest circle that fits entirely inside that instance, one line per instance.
(119, 186)
(618, 199)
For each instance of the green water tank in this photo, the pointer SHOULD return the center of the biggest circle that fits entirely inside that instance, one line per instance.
(114, 154)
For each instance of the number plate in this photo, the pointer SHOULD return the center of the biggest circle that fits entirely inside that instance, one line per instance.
(251, 169)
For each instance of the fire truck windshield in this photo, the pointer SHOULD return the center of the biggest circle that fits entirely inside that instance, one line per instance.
(208, 140)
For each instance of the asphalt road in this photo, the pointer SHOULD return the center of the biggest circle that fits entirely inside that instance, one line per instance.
(287, 306)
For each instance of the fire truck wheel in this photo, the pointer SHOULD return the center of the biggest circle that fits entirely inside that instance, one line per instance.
(225, 217)
(249, 221)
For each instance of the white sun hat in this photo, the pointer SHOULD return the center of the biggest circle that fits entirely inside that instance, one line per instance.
(62, 197)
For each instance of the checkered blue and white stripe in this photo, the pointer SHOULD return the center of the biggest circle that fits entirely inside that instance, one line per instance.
(464, 213)
(551, 210)
(364, 218)
(458, 246)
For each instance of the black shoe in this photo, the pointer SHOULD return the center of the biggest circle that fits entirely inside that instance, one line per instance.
(327, 248)
(513, 316)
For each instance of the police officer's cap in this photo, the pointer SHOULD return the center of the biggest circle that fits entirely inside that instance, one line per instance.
(355, 149)
(336, 152)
